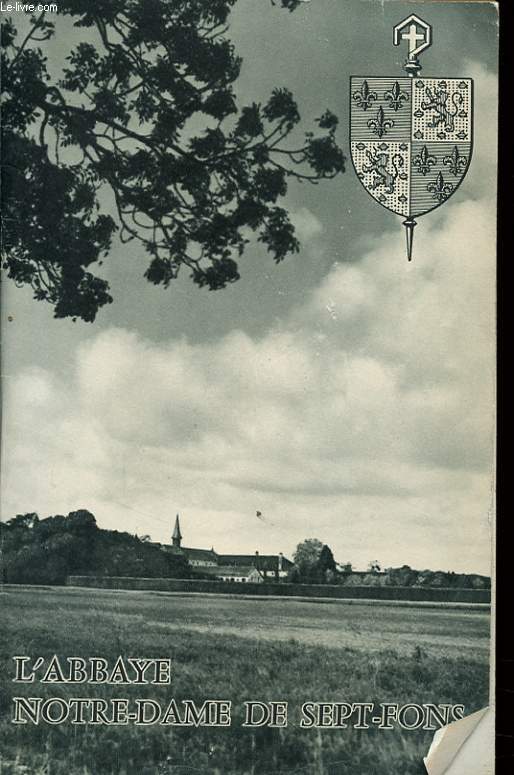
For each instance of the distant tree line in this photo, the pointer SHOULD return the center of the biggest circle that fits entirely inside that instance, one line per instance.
(314, 564)
(46, 551)
(409, 577)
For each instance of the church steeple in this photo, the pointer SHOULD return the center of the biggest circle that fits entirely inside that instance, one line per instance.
(177, 535)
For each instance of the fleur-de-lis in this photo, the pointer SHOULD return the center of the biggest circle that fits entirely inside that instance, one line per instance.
(379, 125)
(396, 96)
(424, 160)
(364, 97)
(455, 161)
(439, 189)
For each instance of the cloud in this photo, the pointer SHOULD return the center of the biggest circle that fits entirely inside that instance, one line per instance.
(378, 418)
(306, 224)
(365, 417)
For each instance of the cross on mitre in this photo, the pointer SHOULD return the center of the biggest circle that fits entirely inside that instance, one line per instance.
(418, 36)
(412, 36)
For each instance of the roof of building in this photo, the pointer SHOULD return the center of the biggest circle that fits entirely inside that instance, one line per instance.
(199, 554)
(262, 561)
(229, 570)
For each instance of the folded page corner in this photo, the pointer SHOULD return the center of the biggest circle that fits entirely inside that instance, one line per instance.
(464, 747)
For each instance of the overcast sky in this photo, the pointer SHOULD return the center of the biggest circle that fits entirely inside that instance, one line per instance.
(346, 394)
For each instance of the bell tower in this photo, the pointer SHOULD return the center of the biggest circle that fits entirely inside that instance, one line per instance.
(177, 535)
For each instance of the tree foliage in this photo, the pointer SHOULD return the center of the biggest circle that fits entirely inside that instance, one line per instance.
(307, 553)
(314, 562)
(145, 107)
(326, 565)
(46, 551)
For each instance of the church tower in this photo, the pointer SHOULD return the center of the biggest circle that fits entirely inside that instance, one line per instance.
(177, 535)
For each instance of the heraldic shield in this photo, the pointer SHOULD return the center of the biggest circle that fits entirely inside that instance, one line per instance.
(411, 139)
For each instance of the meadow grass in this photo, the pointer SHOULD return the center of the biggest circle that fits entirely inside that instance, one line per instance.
(217, 666)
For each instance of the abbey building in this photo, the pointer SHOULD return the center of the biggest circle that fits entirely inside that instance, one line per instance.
(242, 568)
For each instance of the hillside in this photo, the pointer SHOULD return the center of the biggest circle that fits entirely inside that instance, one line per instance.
(46, 551)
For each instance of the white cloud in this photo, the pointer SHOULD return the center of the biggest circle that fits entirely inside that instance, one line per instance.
(306, 224)
(373, 429)
(365, 418)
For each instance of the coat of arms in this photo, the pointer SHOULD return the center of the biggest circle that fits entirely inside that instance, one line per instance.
(411, 137)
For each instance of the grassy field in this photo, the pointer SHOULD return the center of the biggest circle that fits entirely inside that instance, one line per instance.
(239, 650)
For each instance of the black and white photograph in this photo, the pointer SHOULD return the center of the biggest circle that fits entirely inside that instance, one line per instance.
(248, 337)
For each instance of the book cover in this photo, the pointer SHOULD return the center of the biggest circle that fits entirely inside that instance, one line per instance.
(248, 370)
